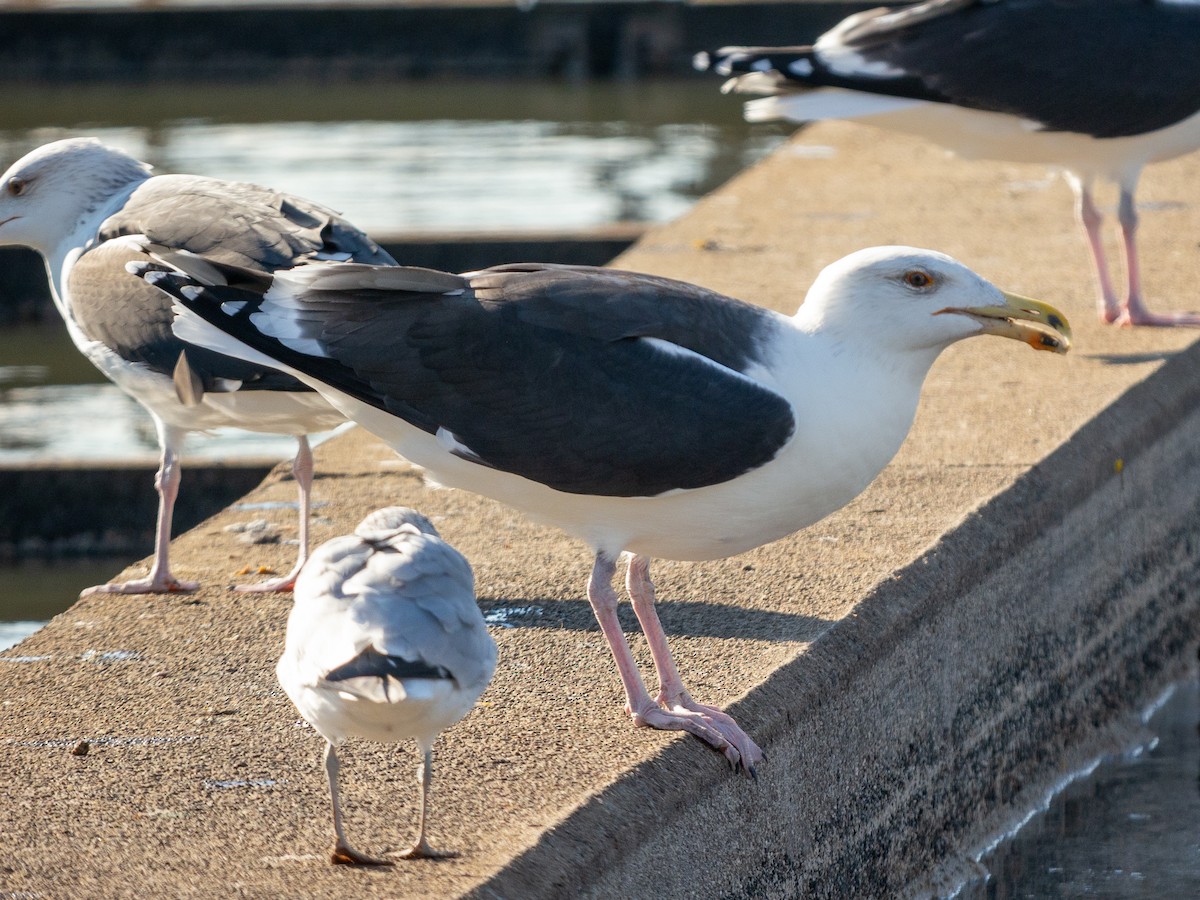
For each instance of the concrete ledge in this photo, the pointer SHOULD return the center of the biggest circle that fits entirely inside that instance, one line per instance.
(918, 666)
(1009, 652)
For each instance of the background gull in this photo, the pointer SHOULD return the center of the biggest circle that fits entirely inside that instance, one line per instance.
(637, 413)
(385, 642)
(77, 202)
(1100, 88)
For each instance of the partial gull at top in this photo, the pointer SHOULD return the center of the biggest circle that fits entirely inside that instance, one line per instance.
(1099, 88)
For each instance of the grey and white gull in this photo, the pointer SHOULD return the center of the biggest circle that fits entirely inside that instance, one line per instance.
(80, 203)
(1099, 88)
(637, 413)
(385, 642)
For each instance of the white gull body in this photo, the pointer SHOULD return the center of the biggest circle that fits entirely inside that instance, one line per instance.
(385, 642)
(640, 414)
(84, 207)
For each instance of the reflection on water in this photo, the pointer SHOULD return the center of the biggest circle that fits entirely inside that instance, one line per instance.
(428, 156)
(97, 422)
(1131, 829)
(64, 410)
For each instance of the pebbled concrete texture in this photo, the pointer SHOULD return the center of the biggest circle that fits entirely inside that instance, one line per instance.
(919, 666)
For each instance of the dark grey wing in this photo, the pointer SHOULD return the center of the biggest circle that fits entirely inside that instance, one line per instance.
(612, 305)
(232, 222)
(586, 380)
(1106, 68)
(239, 223)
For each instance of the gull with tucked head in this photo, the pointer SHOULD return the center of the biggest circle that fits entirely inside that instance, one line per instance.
(385, 642)
(640, 414)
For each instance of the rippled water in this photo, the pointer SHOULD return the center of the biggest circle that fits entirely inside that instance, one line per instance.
(1131, 829)
(426, 156)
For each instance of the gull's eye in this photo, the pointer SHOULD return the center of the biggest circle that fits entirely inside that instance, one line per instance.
(16, 186)
(918, 279)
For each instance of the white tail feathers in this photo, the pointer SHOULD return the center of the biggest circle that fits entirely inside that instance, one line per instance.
(824, 103)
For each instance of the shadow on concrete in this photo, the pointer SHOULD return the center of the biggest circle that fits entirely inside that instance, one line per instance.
(682, 618)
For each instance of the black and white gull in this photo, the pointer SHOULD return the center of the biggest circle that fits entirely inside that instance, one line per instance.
(1099, 88)
(79, 204)
(637, 413)
(385, 642)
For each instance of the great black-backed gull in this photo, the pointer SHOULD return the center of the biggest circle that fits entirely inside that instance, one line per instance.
(77, 202)
(385, 642)
(637, 413)
(1099, 88)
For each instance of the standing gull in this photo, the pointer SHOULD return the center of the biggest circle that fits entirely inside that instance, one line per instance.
(1100, 89)
(78, 202)
(637, 413)
(385, 642)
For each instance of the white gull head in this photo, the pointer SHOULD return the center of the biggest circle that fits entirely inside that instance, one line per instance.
(901, 300)
(46, 195)
(384, 524)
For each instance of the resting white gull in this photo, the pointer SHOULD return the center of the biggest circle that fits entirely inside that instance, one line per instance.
(78, 202)
(1098, 88)
(385, 642)
(637, 413)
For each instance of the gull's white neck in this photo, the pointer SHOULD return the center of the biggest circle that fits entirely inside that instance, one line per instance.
(864, 398)
(61, 257)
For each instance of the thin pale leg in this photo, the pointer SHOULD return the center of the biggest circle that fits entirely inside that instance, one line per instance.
(672, 695)
(638, 703)
(1135, 311)
(343, 853)
(302, 472)
(1092, 220)
(166, 482)
(421, 849)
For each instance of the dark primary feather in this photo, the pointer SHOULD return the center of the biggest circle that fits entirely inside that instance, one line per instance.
(370, 663)
(1107, 68)
(540, 371)
(230, 222)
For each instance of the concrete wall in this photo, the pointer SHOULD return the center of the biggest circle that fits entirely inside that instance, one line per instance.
(94, 510)
(571, 40)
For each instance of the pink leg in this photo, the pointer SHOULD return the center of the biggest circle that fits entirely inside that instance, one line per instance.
(672, 695)
(1092, 219)
(638, 704)
(302, 472)
(166, 482)
(1135, 311)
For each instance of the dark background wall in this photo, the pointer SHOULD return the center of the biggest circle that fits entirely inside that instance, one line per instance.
(581, 40)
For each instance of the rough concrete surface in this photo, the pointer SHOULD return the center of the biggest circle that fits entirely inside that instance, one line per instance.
(918, 666)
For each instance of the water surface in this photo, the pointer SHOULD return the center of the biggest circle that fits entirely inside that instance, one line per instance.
(1129, 830)
(423, 156)
(33, 591)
